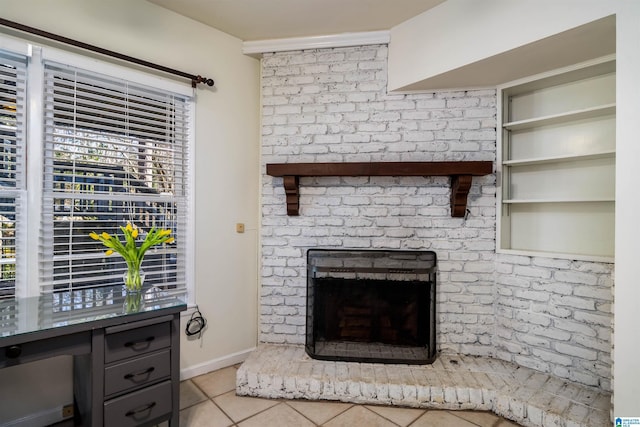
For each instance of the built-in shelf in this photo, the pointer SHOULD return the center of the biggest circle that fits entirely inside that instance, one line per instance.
(554, 119)
(560, 159)
(461, 174)
(556, 162)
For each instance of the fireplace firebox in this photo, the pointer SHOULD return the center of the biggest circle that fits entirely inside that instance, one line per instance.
(371, 305)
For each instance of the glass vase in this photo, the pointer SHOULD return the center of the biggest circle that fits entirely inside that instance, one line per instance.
(133, 279)
(133, 301)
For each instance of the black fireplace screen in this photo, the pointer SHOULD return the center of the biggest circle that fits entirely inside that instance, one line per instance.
(371, 305)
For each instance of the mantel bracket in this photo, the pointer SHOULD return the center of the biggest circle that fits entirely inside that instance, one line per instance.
(460, 185)
(291, 190)
(461, 174)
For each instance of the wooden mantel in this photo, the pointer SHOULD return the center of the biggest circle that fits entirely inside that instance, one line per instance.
(460, 173)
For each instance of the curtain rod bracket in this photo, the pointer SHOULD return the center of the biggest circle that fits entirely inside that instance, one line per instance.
(61, 39)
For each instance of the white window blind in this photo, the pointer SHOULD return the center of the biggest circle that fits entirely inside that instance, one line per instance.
(12, 164)
(114, 152)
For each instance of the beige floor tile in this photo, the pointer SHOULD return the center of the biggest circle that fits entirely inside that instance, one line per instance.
(400, 416)
(240, 407)
(204, 414)
(440, 419)
(217, 382)
(190, 394)
(359, 416)
(481, 418)
(319, 411)
(280, 415)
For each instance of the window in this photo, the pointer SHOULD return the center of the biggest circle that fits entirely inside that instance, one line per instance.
(12, 135)
(558, 163)
(112, 150)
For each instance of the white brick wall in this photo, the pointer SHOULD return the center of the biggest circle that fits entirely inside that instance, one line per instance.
(555, 316)
(331, 105)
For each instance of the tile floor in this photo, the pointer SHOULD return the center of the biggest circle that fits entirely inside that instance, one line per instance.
(210, 401)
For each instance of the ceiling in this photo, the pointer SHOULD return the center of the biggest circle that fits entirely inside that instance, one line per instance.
(275, 19)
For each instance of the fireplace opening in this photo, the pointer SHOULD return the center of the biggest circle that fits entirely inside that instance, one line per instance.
(371, 305)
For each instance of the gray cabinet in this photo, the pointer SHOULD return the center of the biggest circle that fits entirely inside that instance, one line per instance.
(126, 366)
(135, 374)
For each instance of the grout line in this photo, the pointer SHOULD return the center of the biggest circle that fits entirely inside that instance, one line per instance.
(279, 401)
(233, 422)
(493, 424)
(381, 416)
(312, 422)
(210, 398)
(196, 403)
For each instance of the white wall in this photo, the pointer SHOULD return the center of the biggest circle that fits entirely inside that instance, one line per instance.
(227, 147)
(444, 33)
(626, 369)
(460, 32)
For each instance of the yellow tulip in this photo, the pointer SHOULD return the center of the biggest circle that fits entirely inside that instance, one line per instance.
(94, 236)
(109, 252)
(134, 233)
(165, 232)
(170, 240)
(129, 228)
(106, 235)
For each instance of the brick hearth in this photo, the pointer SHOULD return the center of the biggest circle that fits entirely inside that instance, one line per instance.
(526, 396)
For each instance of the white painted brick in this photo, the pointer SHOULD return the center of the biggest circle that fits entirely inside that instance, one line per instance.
(592, 343)
(592, 318)
(463, 102)
(591, 267)
(603, 293)
(555, 311)
(527, 271)
(512, 280)
(534, 318)
(480, 135)
(531, 295)
(575, 277)
(580, 303)
(430, 103)
(553, 287)
(313, 129)
(372, 87)
(464, 146)
(574, 350)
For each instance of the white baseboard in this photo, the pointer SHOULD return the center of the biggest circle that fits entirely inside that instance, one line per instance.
(215, 364)
(37, 419)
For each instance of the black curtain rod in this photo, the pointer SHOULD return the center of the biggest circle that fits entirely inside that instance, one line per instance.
(195, 79)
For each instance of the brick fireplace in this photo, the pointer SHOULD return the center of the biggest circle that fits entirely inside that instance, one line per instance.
(549, 315)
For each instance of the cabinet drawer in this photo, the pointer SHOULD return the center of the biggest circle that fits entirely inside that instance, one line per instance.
(134, 342)
(139, 407)
(137, 372)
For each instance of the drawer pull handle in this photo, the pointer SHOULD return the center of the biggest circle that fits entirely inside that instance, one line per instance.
(145, 341)
(139, 373)
(134, 412)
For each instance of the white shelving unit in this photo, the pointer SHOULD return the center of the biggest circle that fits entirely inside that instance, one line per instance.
(557, 163)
